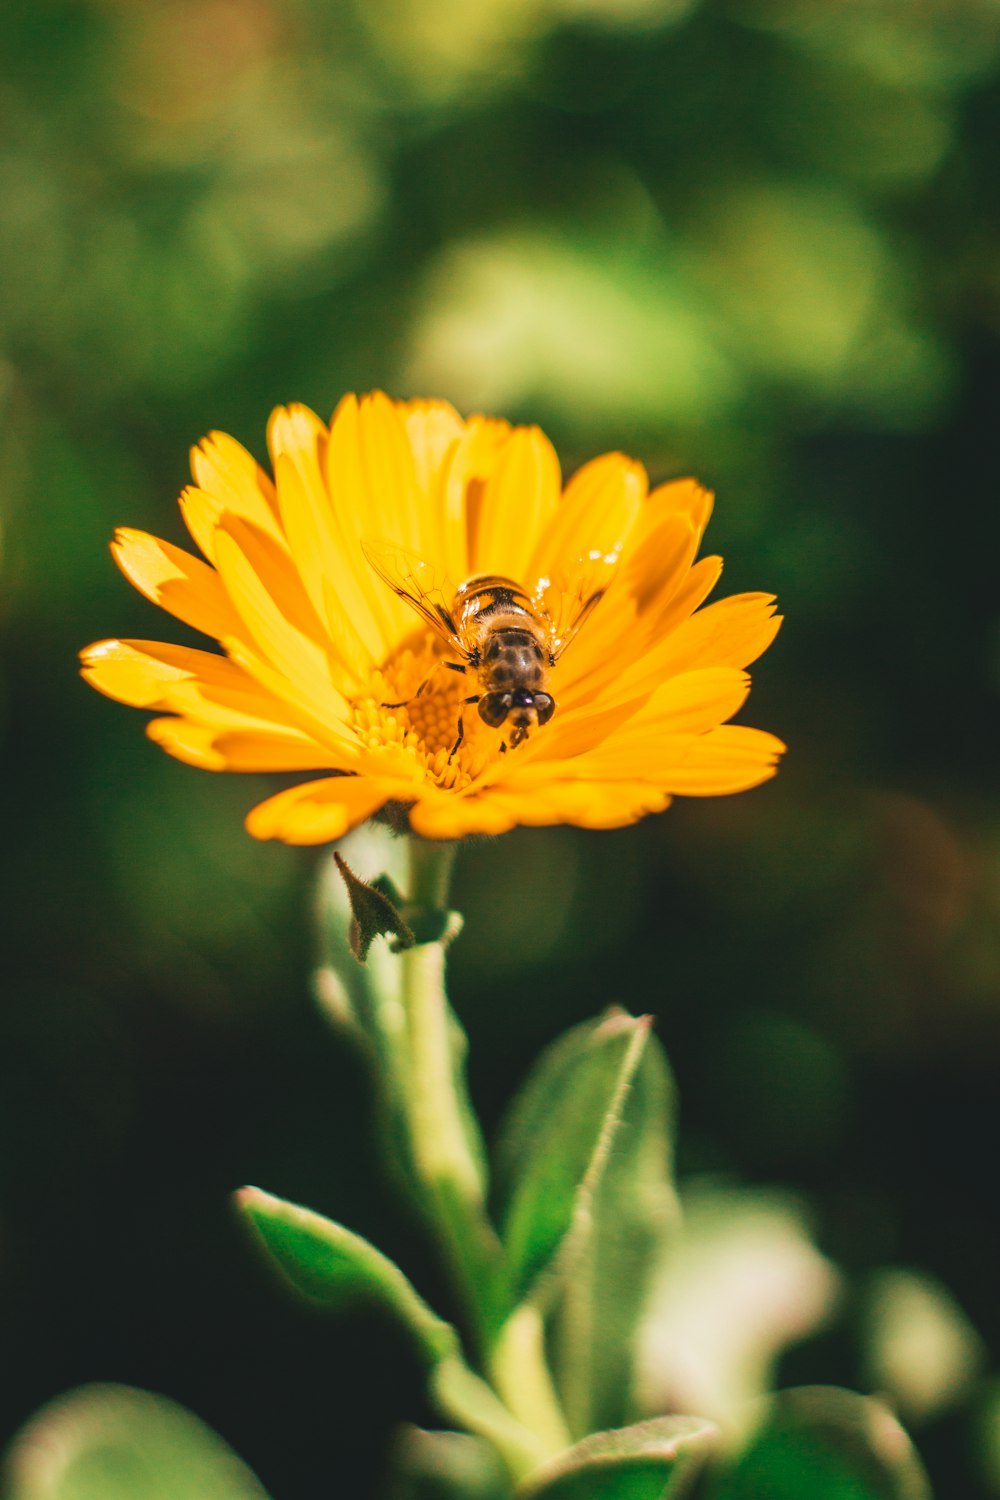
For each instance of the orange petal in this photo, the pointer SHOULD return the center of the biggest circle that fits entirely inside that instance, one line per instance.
(318, 811)
(439, 815)
(223, 467)
(731, 633)
(277, 638)
(141, 673)
(689, 596)
(548, 800)
(328, 564)
(215, 749)
(181, 584)
(519, 503)
(228, 482)
(472, 461)
(432, 430)
(687, 705)
(297, 703)
(732, 758)
(372, 487)
(598, 511)
(208, 690)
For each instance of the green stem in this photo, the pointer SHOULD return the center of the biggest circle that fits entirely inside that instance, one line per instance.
(445, 1161)
(520, 1374)
(521, 1412)
(464, 1398)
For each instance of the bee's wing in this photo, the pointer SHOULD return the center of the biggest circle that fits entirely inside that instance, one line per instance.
(414, 580)
(567, 598)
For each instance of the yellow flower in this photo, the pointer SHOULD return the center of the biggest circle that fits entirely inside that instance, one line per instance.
(325, 667)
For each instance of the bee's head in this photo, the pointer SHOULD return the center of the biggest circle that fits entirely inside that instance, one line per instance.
(524, 710)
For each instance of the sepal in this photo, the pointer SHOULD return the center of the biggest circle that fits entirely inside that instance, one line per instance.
(375, 911)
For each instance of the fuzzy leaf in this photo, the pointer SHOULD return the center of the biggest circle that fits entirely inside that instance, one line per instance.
(827, 1444)
(650, 1461)
(620, 1245)
(331, 1265)
(555, 1143)
(112, 1442)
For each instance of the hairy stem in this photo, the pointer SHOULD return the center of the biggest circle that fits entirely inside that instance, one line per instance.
(447, 1157)
(443, 1150)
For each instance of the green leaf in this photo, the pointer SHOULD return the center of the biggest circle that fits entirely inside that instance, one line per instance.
(823, 1443)
(111, 1442)
(331, 1265)
(620, 1245)
(557, 1137)
(446, 1466)
(650, 1461)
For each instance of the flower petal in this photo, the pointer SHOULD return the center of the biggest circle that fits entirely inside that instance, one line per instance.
(691, 704)
(519, 503)
(473, 459)
(319, 811)
(181, 584)
(597, 512)
(215, 749)
(329, 568)
(276, 637)
(207, 690)
(142, 673)
(730, 633)
(372, 485)
(297, 703)
(229, 482)
(732, 758)
(550, 800)
(224, 468)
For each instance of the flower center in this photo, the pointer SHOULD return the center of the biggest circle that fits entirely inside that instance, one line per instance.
(415, 702)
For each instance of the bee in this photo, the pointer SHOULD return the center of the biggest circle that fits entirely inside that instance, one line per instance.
(509, 638)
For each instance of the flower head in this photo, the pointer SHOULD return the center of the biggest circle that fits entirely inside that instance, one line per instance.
(361, 597)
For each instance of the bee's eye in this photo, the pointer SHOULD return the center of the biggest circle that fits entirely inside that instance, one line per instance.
(545, 707)
(494, 707)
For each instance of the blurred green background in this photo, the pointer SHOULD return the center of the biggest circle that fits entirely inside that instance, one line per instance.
(759, 242)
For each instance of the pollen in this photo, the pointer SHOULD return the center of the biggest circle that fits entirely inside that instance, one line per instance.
(415, 702)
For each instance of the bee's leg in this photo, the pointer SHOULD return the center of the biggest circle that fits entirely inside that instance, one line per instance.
(461, 725)
(503, 747)
(455, 666)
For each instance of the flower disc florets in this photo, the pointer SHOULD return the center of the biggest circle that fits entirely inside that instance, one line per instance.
(324, 666)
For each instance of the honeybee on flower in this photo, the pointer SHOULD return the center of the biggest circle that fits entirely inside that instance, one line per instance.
(505, 636)
(344, 650)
